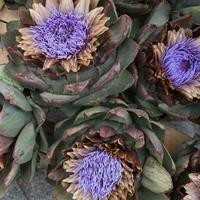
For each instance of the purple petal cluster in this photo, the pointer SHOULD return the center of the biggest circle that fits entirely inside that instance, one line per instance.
(62, 36)
(181, 62)
(99, 173)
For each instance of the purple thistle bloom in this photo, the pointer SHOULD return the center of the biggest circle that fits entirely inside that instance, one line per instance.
(99, 173)
(181, 62)
(62, 36)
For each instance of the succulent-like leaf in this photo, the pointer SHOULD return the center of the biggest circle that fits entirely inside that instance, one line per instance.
(120, 115)
(160, 14)
(123, 82)
(133, 9)
(5, 143)
(168, 162)
(195, 13)
(154, 145)
(14, 96)
(12, 120)
(127, 53)
(61, 194)
(12, 174)
(137, 135)
(23, 151)
(25, 77)
(120, 31)
(145, 194)
(29, 168)
(56, 99)
(90, 113)
(155, 177)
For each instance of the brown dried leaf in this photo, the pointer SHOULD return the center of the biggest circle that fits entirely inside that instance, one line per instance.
(193, 188)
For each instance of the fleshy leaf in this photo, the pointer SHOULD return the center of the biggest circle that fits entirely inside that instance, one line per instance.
(155, 177)
(25, 143)
(90, 113)
(14, 96)
(56, 99)
(12, 174)
(134, 10)
(145, 194)
(160, 14)
(12, 120)
(123, 82)
(29, 168)
(154, 145)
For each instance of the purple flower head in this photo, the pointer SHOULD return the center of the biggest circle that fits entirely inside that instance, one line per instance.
(181, 62)
(62, 36)
(99, 173)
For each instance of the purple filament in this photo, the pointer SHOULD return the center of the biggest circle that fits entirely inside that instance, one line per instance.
(99, 173)
(181, 62)
(62, 36)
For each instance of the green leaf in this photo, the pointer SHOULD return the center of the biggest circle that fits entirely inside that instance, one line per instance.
(155, 177)
(9, 38)
(14, 96)
(75, 130)
(69, 110)
(120, 84)
(39, 114)
(153, 144)
(56, 99)
(145, 33)
(13, 25)
(120, 31)
(109, 10)
(160, 14)
(127, 53)
(145, 194)
(181, 111)
(43, 143)
(107, 77)
(93, 72)
(28, 169)
(12, 120)
(60, 193)
(23, 150)
(134, 10)
(24, 76)
(137, 136)
(5, 78)
(194, 10)
(76, 88)
(119, 115)
(152, 110)
(12, 174)
(90, 113)
(168, 162)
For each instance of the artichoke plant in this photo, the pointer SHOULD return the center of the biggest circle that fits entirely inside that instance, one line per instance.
(110, 151)
(22, 139)
(167, 69)
(187, 178)
(70, 69)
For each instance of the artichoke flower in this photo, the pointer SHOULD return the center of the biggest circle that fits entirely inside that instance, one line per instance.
(64, 33)
(168, 73)
(21, 134)
(188, 172)
(70, 69)
(109, 152)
